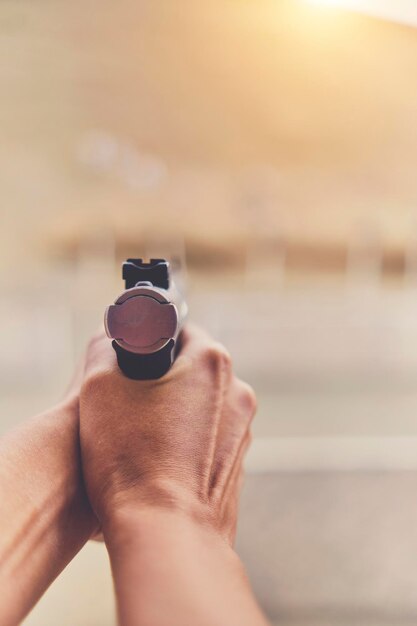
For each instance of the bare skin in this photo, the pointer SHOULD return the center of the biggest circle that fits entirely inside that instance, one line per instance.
(162, 463)
(45, 516)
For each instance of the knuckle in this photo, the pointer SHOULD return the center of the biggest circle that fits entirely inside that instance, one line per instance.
(182, 364)
(216, 356)
(96, 337)
(91, 384)
(248, 398)
(95, 382)
(96, 340)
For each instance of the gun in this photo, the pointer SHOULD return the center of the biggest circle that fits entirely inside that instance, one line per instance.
(146, 319)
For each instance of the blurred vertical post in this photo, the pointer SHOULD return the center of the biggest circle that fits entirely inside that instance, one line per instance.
(365, 257)
(265, 259)
(410, 260)
(93, 283)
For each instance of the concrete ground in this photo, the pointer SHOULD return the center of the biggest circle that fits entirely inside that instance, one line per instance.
(332, 547)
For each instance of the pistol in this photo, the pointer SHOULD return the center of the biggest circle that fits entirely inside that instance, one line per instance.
(146, 319)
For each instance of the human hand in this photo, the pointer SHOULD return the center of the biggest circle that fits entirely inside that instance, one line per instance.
(176, 443)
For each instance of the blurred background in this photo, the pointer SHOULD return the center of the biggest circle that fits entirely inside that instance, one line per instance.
(268, 148)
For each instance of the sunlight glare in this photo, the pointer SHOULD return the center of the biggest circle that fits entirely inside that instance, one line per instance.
(357, 5)
(334, 3)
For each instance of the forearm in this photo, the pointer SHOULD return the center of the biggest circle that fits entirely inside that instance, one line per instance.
(170, 571)
(45, 517)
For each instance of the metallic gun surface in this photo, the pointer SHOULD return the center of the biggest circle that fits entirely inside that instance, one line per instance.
(146, 319)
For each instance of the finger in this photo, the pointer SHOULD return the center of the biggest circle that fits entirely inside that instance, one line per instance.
(74, 386)
(193, 339)
(229, 508)
(198, 347)
(233, 427)
(230, 513)
(98, 536)
(100, 356)
(231, 488)
(245, 399)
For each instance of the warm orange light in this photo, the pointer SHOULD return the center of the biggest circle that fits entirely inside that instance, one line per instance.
(357, 5)
(396, 10)
(336, 3)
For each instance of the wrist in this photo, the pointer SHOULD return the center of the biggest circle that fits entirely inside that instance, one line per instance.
(179, 564)
(130, 524)
(162, 499)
